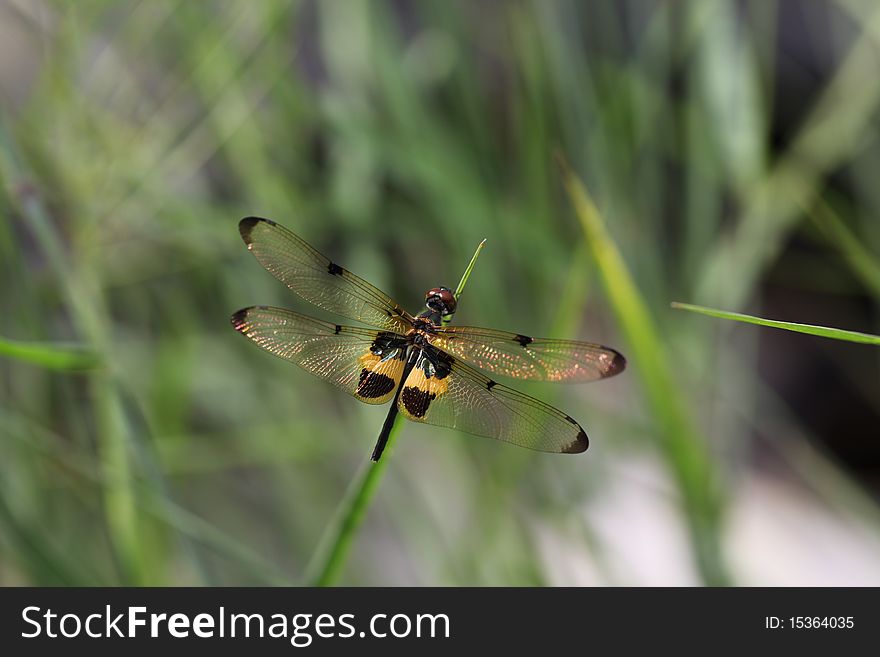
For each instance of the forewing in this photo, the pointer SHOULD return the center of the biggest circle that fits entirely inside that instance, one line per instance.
(363, 362)
(467, 400)
(317, 279)
(531, 359)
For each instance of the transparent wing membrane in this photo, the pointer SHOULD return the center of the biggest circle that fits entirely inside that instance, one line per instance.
(467, 400)
(363, 362)
(317, 279)
(531, 359)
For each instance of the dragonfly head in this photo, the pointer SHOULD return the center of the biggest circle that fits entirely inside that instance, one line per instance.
(441, 300)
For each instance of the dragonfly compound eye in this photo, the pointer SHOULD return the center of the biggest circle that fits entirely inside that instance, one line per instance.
(440, 299)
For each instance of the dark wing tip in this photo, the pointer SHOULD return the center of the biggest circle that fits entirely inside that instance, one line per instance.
(618, 363)
(580, 444)
(239, 319)
(246, 225)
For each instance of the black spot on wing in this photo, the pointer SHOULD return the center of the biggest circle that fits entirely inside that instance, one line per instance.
(239, 319)
(373, 385)
(338, 329)
(246, 225)
(524, 340)
(578, 445)
(416, 401)
(617, 365)
(334, 269)
(491, 384)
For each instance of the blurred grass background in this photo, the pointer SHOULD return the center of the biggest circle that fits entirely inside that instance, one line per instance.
(731, 148)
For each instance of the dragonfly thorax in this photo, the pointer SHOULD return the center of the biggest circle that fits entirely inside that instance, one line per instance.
(388, 345)
(419, 337)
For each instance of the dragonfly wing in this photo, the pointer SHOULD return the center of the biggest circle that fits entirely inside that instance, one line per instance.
(449, 393)
(319, 280)
(365, 363)
(523, 357)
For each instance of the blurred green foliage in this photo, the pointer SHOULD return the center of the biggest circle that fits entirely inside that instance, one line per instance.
(394, 136)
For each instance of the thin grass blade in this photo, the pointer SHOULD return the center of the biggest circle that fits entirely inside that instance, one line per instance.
(59, 357)
(684, 449)
(809, 329)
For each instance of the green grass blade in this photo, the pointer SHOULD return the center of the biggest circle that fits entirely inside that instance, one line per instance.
(470, 268)
(683, 447)
(464, 277)
(51, 356)
(851, 248)
(89, 316)
(809, 329)
(332, 553)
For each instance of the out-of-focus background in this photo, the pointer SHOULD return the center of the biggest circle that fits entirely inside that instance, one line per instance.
(731, 147)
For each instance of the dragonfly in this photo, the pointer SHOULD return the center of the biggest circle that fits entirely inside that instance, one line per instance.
(431, 372)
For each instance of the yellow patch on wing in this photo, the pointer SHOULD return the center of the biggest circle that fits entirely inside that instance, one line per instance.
(418, 393)
(378, 379)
